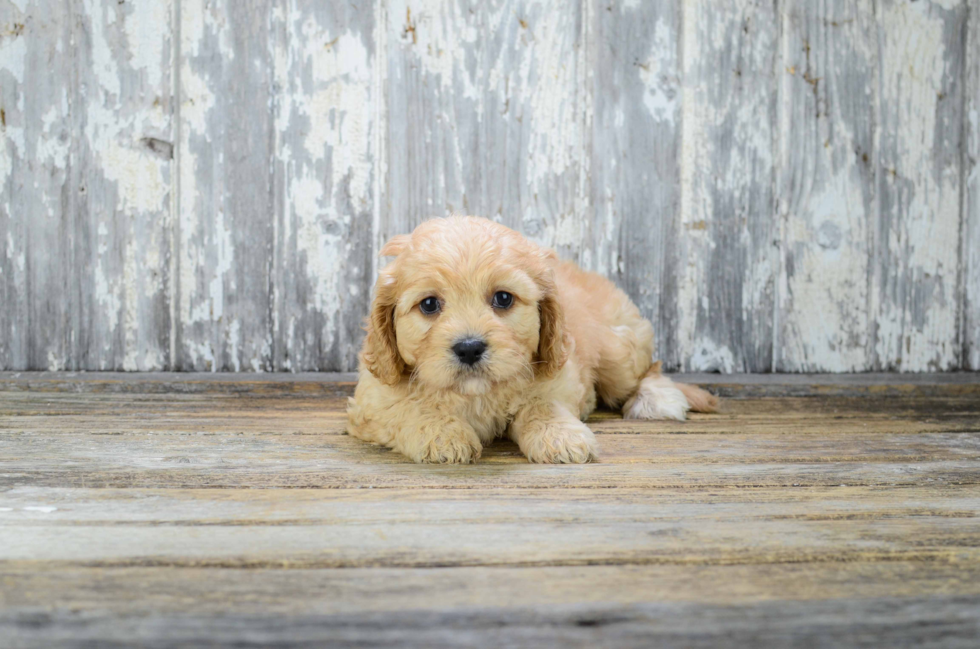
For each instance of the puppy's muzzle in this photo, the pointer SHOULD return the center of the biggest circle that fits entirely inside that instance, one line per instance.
(470, 351)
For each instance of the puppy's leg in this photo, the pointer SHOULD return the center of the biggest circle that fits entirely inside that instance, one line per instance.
(657, 397)
(547, 432)
(438, 440)
(420, 431)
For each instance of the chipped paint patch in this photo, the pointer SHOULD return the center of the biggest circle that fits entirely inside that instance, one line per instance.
(917, 322)
(657, 74)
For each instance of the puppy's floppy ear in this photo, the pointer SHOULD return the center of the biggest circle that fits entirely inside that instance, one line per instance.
(380, 355)
(552, 345)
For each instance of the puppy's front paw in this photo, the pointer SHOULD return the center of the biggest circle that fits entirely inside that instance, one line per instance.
(446, 447)
(561, 442)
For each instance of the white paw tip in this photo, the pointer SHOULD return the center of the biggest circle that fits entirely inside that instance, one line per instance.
(653, 402)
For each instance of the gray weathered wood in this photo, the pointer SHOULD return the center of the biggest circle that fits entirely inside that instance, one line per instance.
(326, 105)
(38, 201)
(771, 606)
(827, 185)
(122, 166)
(246, 517)
(961, 384)
(635, 188)
(226, 216)
(486, 114)
(916, 257)
(202, 186)
(726, 262)
(970, 244)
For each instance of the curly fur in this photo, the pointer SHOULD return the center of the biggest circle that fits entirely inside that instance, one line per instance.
(570, 339)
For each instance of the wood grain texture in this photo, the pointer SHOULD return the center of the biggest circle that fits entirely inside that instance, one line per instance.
(970, 256)
(182, 517)
(38, 203)
(829, 94)
(485, 115)
(941, 620)
(635, 189)
(225, 198)
(121, 183)
(726, 260)
(914, 285)
(325, 166)
(203, 186)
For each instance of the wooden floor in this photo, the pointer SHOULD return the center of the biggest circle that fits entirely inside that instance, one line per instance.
(234, 511)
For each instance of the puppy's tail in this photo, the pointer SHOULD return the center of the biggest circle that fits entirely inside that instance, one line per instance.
(698, 399)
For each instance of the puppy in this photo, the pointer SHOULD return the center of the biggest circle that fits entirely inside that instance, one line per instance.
(475, 332)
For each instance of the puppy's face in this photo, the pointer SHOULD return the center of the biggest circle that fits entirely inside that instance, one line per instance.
(465, 305)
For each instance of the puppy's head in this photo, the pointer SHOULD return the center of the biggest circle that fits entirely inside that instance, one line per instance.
(466, 304)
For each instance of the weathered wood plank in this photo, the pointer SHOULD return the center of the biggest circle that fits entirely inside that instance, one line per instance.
(434, 82)
(214, 591)
(120, 186)
(486, 114)
(225, 199)
(421, 528)
(824, 415)
(944, 385)
(37, 201)
(535, 120)
(839, 517)
(207, 440)
(635, 170)
(915, 271)
(306, 445)
(68, 507)
(325, 166)
(726, 263)
(827, 185)
(970, 256)
(940, 621)
(167, 473)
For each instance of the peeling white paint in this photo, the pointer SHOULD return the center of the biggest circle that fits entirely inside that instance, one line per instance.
(142, 26)
(519, 78)
(708, 356)
(926, 236)
(657, 75)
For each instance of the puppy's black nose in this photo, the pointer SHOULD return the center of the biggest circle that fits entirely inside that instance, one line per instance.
(470, 350)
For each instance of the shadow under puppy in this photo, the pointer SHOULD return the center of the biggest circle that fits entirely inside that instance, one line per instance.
(475, 332)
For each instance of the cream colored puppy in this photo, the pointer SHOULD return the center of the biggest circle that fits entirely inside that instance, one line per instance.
(475, 332)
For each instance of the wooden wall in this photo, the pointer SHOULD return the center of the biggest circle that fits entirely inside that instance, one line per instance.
(781, 185)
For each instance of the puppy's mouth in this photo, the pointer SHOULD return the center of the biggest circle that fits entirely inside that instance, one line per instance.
(472, 384)
(473, 379)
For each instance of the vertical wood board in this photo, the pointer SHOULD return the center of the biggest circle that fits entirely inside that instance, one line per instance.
(726, 260)
(226, 212)
(325, 128)
(37, 204)
(916, 257)
(119, 296)
(827, 185)
(635, 176)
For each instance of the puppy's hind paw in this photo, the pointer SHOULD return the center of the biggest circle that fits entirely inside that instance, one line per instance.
(564, 442)
(657, 398)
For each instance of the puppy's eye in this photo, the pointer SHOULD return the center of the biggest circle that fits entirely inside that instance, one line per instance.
(502, 300)
(429, 305)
